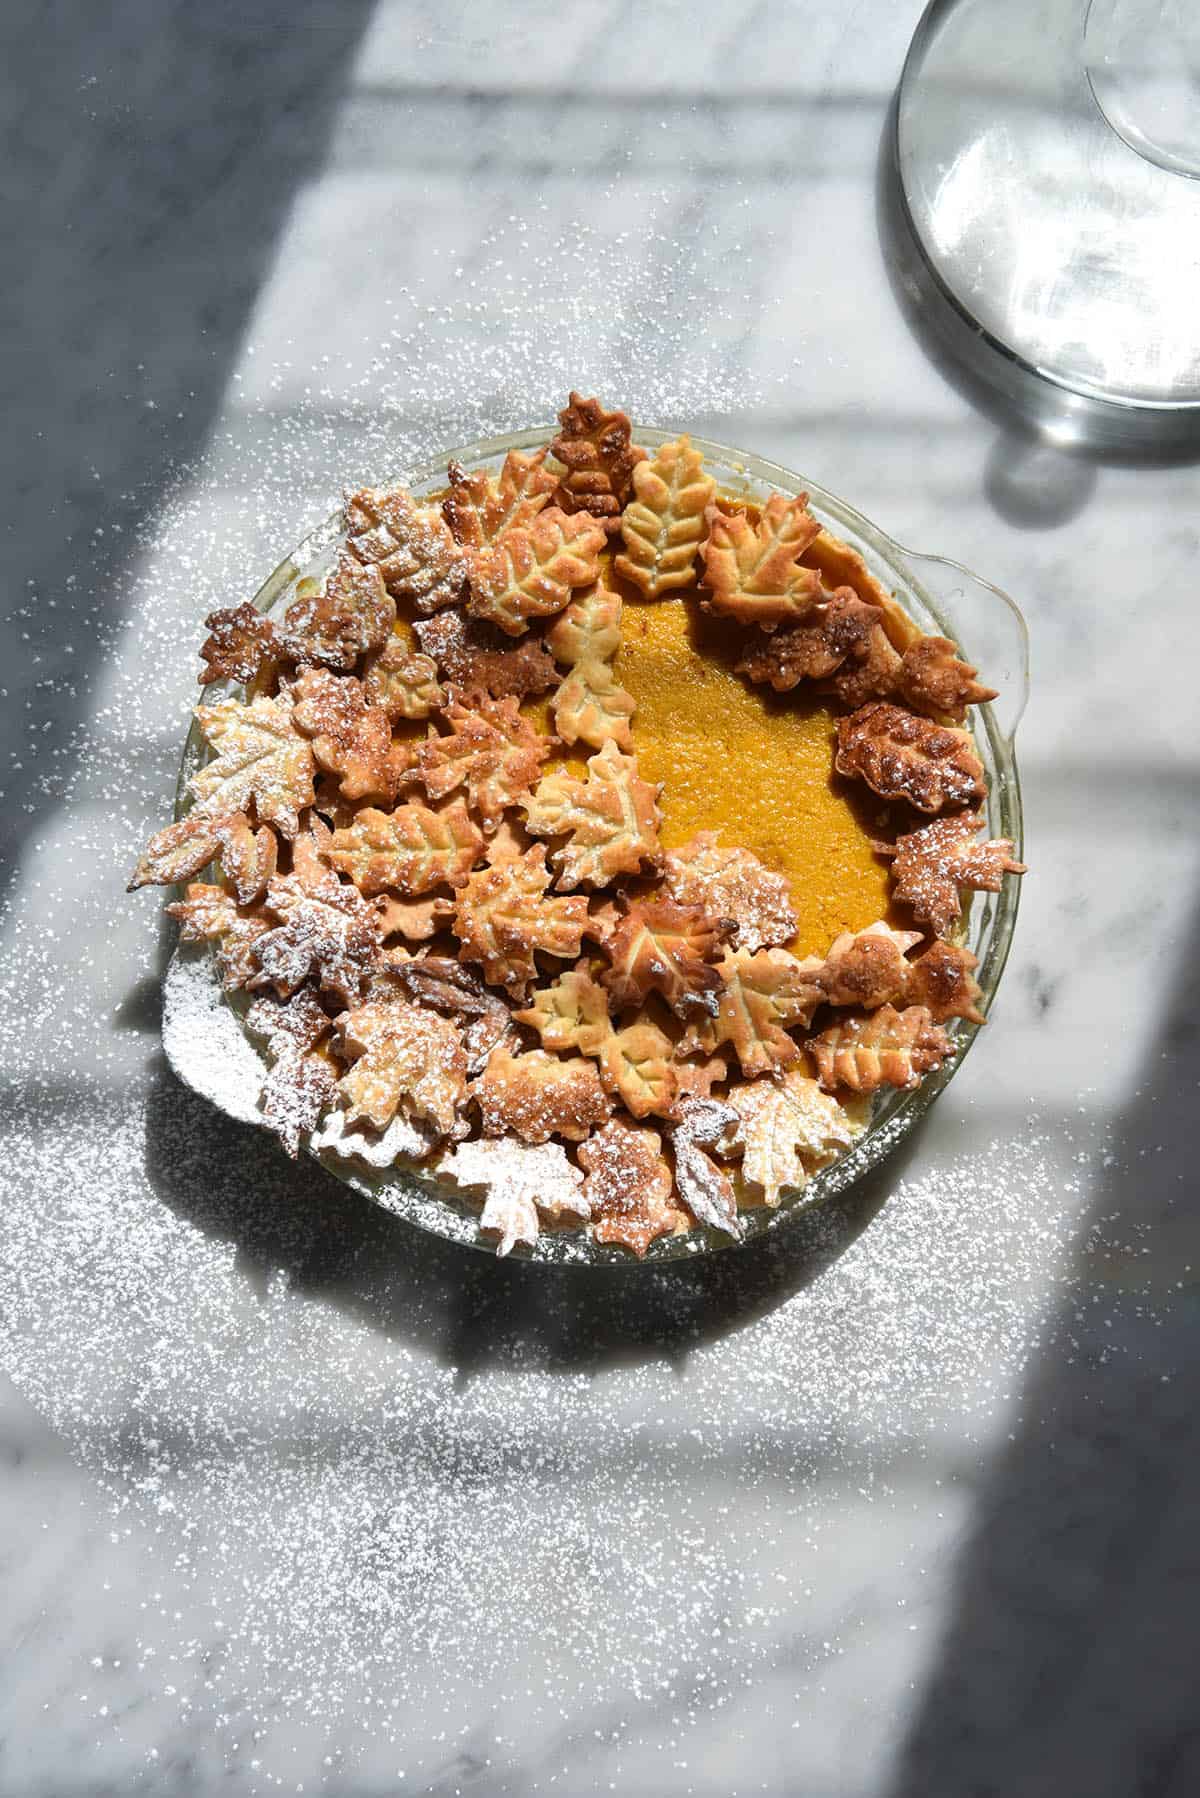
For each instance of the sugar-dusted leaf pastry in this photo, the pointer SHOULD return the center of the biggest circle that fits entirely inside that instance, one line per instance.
(664, 522)
(611, 819)
(629, 1187)
(590, 705)
(570, 1013)
(662, 947)
(400, 683)
(637, 1065)
(240, 644)
(247, 856)
(404, 1139)
(350, 737)
(885, 1048)
(942, 980)
(595, 449)
(300, 1085)
(931, 866)
(934, 678)
(704, 1188)
(536, 1096)
(449, 987)
(787, 1128)
(867, 967)
(404, 1059)
(903, 756)
(532, 570)
(752, 572)
(208, 914)
(261, 760)
(491, 752)
(330, 935)
(734, 884)
(335, 621)
(479, 658)
(410, 545)
(408, 851)
(414, 919)
(479, 509)
(766, 993)
(519, 1180)
(503, 916)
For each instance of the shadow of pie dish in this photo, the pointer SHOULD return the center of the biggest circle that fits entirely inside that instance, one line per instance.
(597, 850)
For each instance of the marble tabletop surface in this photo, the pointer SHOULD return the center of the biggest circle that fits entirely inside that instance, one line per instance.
(294, 1500)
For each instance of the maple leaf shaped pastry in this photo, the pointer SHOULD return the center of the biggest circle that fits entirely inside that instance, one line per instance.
(629, 1188)
(752, 572)
(638, 1064)
(595, 449)
(766, 993)
(446, 986)
(503, 916)
(261, 760)
(403, 1140)
(478, 658)
(787, 1129)
(664, 522)
(240, 644)
(934, 678)
(733, 884)
(903, 756)
(942, 980)
(536, 1096)
(591, 705)
(611, 818)
(479, 509)
(704, 1124)
(411, 547)
(867, 967)
(400, 683)
(932, 865)
(300, 1085)
(662, 947)
(404, 1059)
(408, 851)
(491, 751)
(329, 934)
(335, 621)
(532, 570)
(842, 644)
(886, 1048)
(208, 914)
(247, 856)
(570, 1013)
(520, 1180)
(350, 738)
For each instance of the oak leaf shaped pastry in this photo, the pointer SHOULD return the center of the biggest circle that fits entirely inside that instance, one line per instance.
(261, 760)
(491, 751)
(300, 1085)
(611, 818)
(752, 572)
(532, 570)
(477, 657)
(595, 449)
(247, 856)
(335, 621)
(903, 756)
(402, 684)
(766, 993)
(886, 1048)
(208, 914)
(351, 738)
(241, 643)
(787, 1128)
(503, 916)
(943, 981)
(519, 1180)
(479, 509)
(629, 1187)
(410, 546)
(867, 967)
(590, 705)
(734, 884)
(664, 522)
(662, 947)
(536, 1096)
(933, 865)
(404, 1059)
(329, 934)
(934, 678)
(408, 851)
(705, 1189)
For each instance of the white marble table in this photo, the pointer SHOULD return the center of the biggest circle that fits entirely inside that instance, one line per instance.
(293, 1500)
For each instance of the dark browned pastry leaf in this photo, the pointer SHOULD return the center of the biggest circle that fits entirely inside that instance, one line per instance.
(241, 642)
(932, 865)
(479, 657)
(629, 1187)
(934, 678)
(595, 449)
(942, 980)
(903, 756)
(662, 947)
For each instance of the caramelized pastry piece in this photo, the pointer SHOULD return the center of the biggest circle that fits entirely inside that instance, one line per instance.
(207, 914)
(752, 571)
(490, 751)
(595, 449)
(402, 684)
(410, 546)
(347, 615)
(931, 866)
(240, 644)
(942, 980)
(629, 1187)
(934, 678)
(662, 947)
(903, 756)
(329, 935)
(732, 884)
(766, 993)
(536, 1096)
(885, 1048)
(247, 856)
(841, 641)
(410, 850)
(867, 967)
(350, 737)
(405, 1059)
(663, 524)
(478, 658)
(611, 819)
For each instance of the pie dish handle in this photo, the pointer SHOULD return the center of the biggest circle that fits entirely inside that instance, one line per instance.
(988, 624)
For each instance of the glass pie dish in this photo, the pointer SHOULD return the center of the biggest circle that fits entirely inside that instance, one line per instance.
(943, 598)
